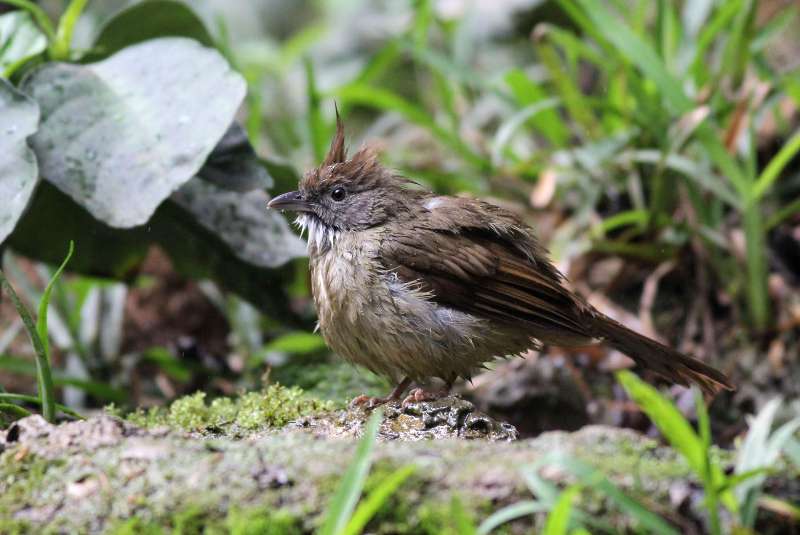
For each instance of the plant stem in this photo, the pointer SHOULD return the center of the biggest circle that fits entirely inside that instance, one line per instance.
(758, 299)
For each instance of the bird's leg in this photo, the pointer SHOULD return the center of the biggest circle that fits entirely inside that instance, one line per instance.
(371, 402)
(417, 395)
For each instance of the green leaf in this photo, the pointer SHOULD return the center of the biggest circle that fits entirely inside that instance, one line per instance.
(344, 500)
(558, 520)
(20, 40)
(19, 117)
(41, 320)
(144, 21)
(119, 136)
(547, 121)
(462, 521)
(760, 450)
(296, 343)
(667, 418)
(379, 495)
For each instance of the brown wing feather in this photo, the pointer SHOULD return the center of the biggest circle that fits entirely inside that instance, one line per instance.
(488, 278)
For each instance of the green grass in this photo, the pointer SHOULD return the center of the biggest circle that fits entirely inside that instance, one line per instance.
(38, 334)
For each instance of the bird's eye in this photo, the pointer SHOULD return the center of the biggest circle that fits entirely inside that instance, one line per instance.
(338, 193)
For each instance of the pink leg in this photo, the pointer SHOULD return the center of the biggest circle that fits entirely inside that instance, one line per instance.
(371, 402)
(417, 395)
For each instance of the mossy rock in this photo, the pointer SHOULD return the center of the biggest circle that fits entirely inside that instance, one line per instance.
(108, 475)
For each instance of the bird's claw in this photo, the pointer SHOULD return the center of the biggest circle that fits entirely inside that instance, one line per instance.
(418, 395)
(369, 402)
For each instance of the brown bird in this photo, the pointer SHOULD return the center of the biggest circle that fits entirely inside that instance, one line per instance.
(414, 285)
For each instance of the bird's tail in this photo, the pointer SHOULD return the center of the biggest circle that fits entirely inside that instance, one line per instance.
(663, 360)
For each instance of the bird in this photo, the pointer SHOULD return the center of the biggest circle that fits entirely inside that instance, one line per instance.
(413, 285)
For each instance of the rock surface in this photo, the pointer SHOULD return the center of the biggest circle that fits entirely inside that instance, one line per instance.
(106, 475)
(449, 417)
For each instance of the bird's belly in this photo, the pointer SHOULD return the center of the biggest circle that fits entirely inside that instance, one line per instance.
(370, 318)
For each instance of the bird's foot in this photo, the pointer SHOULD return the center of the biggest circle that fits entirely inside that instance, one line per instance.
(369, 402)
(418, 395)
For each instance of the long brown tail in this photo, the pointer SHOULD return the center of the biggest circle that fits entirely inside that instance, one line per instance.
(663, 360)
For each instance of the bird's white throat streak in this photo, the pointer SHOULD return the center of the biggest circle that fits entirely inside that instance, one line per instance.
(319, 234)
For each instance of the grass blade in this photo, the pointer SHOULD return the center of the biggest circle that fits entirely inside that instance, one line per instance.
(509, 513)
(776, 165)
(372, 503)
(44, 302)
(667, 418)
(558, 520)
(35, 399)
(43, 373)
(349, 490)
(389, 101)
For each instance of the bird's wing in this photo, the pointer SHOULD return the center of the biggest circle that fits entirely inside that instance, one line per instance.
(483, 266)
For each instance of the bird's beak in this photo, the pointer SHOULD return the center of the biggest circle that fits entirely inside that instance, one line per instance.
(292, 201)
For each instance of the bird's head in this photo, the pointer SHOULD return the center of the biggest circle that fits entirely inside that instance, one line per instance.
(343, 195)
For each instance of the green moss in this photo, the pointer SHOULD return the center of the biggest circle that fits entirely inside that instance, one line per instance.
(20, 477)
(195, 520)
(275, 406)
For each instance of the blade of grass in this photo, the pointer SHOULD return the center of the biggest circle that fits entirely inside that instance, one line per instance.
(43, 373)
(564, 84)
(44, 302)
(591, 477)
(16, 410)
(97, 389)
(755, 257)
(59, 49)
(776, 165)
(506, 132)
(388, 101)
(461, 519)
(35, 399)
(528, 93)
(373, 502)
(557, 522)
(349, 490)
(316, 125)
(511, 512)
(667, 418)
(783, 214)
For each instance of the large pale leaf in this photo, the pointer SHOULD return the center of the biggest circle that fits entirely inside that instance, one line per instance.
(19, 40)
(19, 116)
(256, 235)
(119, 136)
